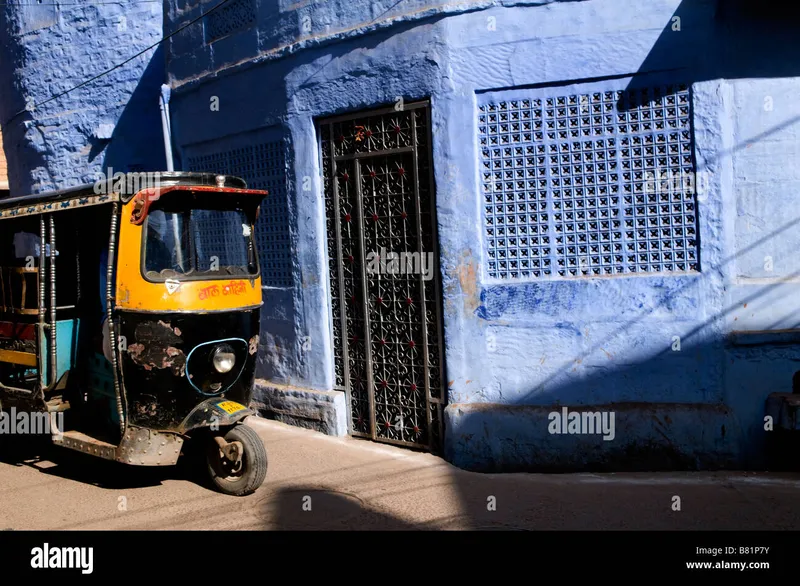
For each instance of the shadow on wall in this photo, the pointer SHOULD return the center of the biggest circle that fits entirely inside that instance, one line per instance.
(725, 428)
(311, 83)
(12, 101)
(749, 40)
(137, 143)
(573, 434)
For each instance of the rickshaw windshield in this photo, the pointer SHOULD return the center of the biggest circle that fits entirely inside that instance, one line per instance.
(198, 244)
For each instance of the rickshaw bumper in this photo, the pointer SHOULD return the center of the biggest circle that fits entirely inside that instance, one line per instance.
(215, 413)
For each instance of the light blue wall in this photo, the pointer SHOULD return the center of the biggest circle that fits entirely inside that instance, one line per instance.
(518, 349)
(112, 122)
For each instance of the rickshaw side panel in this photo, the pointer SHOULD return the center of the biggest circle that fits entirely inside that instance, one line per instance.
(166, 363)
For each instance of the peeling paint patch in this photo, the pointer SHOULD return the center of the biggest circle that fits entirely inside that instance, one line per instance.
(155, 347)
(147, 409)
(253, 345)
(467, 278)
(124, 294)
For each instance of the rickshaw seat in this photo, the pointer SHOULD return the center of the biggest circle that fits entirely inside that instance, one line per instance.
(15, 339)
(18, 290)
(19, 358)
(17, 331)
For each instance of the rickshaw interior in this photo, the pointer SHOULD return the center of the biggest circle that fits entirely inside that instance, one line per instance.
(51, 338)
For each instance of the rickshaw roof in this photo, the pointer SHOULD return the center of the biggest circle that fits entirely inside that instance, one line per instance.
(131, 184)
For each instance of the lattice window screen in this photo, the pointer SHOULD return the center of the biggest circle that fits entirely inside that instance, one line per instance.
(236, 15)
(262, 166)
(588, 183)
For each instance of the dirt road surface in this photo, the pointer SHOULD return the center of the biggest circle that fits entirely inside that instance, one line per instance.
(316, 482)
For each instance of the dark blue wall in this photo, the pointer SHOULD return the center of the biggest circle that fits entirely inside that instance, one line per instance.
(112, 124)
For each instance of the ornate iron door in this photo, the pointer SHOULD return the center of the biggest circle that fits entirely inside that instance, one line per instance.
(384, 273)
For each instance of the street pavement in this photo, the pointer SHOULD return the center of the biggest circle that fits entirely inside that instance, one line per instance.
(316, 482)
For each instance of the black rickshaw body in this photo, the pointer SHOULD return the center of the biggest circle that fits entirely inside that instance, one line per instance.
(179, 283)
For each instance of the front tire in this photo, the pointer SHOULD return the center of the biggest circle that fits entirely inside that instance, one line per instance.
(251, 471)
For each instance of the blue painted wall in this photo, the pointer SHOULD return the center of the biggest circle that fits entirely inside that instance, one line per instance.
(113, 122)
(683, 360)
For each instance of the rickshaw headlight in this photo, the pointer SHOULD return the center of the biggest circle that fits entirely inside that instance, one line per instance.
(223, 359)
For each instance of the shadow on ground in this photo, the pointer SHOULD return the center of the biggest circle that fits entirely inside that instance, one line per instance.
(555, 503)
(320, 509)
(39, 453)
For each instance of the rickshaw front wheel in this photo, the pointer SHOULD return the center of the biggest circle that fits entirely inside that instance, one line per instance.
(244, 476)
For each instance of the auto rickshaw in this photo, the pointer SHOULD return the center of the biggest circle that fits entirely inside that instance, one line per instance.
(131, 307)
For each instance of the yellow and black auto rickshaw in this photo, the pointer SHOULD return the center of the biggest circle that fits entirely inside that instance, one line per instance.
(130, 307)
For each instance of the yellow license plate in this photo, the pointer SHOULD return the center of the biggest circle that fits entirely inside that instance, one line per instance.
(231, 406)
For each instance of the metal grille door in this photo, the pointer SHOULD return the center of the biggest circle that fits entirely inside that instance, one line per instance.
(384, 273)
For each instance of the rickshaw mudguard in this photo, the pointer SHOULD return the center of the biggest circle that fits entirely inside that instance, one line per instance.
(216, 412)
